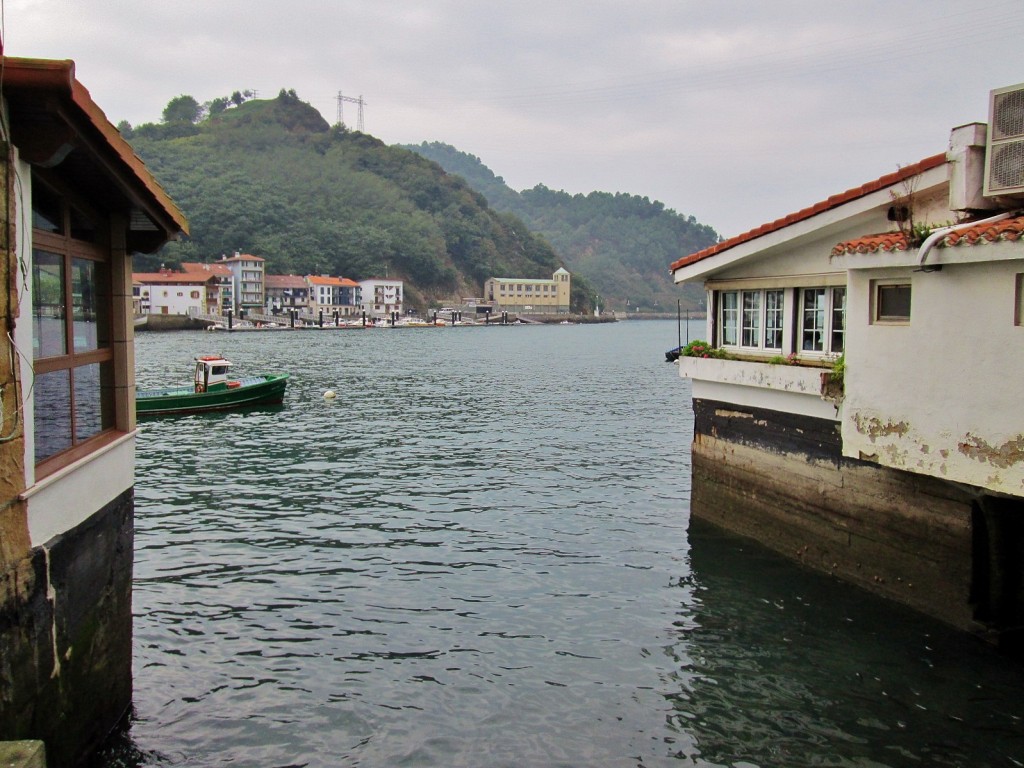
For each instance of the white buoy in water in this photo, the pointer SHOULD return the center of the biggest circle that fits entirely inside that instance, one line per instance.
(329, 394)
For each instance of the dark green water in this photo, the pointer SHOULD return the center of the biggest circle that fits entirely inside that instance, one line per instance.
(480, 554)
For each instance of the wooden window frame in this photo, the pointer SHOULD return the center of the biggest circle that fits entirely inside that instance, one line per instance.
(69, 249)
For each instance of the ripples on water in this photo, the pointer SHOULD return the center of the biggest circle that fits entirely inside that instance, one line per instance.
(479, 555)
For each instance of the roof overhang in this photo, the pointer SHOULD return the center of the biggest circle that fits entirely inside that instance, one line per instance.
(55, 124)
(838, 213)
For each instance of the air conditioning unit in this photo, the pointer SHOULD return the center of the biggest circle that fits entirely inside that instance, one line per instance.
(1004, 152)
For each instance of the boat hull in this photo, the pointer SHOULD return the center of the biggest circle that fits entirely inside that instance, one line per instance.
(257, 390)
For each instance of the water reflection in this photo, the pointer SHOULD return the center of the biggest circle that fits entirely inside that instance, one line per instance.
(780, 666)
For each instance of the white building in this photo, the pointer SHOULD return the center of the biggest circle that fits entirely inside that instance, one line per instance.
(248, 278)
(907, 475)
(173, 293)
(381, 297)
(331, 295)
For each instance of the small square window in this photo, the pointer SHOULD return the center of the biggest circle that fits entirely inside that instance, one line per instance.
(892, 302)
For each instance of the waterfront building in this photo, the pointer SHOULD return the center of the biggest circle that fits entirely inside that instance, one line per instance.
(381, 296)
(286, 293)
(221, 294)
(332, 294)
(78, 203)
(867, 419)
(527, 296)
(175, 293)
(247, 273)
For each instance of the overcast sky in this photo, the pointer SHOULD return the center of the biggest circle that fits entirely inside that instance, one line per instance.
(736, 113)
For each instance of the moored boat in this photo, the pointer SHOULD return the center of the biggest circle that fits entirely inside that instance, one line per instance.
(212, 390)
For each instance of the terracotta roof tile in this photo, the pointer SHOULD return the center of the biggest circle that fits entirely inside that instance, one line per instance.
(832, 202)
(886, 241)
(1006, 230)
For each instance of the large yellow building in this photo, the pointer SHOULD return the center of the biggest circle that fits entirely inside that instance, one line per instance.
(536, 297)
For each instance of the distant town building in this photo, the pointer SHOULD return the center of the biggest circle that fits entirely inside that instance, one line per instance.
(247, 272)
(222, 296)
(381, 296)
(286, 293)
(333, 294)
(527, 296)
(173, 293)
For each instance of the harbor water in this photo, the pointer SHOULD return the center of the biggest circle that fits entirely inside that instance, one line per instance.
(481, 554)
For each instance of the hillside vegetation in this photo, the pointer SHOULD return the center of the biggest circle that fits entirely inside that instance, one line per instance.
(272, 178)
(622, 244)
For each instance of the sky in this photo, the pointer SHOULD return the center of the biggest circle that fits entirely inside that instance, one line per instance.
(734, 112)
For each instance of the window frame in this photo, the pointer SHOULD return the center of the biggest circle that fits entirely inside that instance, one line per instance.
(877, 318)
(748, 319)
(827, 314)
(69, 250)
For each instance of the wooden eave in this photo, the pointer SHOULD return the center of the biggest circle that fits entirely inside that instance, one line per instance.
(55, 124)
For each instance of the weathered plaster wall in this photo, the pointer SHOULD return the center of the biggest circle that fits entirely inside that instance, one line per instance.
(951, 407)
(779, 478)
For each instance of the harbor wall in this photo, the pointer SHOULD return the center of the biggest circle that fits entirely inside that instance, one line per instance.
(780, 478)
(66, 634)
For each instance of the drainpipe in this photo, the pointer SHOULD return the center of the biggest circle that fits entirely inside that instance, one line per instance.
(938, 234)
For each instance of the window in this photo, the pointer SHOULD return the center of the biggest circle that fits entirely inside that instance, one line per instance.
(751, 319)
(823, 319)
(812, 326)
(773, 319)
(73, 360)
(730, 317)
(892, 303)
(838, 320)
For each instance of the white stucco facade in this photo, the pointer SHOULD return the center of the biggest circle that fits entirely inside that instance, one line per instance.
(940, 395)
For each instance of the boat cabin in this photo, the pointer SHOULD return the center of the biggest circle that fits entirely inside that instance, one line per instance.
(212, 374)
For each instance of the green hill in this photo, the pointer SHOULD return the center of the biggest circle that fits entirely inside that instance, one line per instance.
(272, 178)
(621, 244)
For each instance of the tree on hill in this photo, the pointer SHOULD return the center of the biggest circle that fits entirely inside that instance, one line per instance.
(182, 109)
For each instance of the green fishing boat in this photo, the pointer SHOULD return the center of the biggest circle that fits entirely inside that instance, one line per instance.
(212, 390)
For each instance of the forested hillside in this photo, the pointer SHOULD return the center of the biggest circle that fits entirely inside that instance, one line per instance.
(622, 244)
(272, 178)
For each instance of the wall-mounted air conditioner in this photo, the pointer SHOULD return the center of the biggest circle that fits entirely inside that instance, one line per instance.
(1004, 153)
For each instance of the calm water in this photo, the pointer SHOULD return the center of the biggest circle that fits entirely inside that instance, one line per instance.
(480, 554)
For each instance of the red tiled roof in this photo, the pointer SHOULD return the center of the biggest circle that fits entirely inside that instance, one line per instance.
(221, 270)
(284, 281)
(171, 278)
(343, 282)
(833, 202)
(1006, 230)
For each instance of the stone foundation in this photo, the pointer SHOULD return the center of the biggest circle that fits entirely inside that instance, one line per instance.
(780, 478)
(66, 636)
